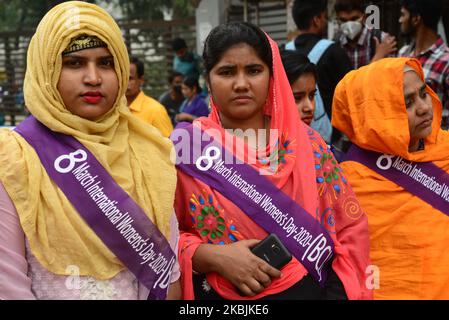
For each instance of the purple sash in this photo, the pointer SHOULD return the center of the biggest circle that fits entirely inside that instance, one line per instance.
(109, 211)
(422, 179)
(260, 199)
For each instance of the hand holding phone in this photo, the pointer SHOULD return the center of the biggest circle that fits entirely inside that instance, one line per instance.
(272, 251)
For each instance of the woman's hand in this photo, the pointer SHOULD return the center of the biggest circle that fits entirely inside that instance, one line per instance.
(236, 263)
(174, 291)
(184, 117)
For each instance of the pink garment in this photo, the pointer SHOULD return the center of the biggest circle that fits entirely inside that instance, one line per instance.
(23, 277)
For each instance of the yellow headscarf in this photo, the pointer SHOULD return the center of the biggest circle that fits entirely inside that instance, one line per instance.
(134, 154)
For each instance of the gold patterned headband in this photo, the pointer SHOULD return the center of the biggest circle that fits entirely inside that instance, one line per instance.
(84, 42)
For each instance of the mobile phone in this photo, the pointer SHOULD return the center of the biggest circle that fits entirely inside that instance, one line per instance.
(272, 251)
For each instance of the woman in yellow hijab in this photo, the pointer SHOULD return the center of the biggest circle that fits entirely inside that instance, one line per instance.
(96, 220)
(398, 168)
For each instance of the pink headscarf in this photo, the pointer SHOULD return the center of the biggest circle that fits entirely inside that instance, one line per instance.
(296, 176)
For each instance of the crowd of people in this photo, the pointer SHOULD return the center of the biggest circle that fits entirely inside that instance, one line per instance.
(104, 193)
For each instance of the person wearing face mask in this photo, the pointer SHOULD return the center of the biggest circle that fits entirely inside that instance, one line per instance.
(419, 22)
(362, 43)
(173, 98)
(331, 60)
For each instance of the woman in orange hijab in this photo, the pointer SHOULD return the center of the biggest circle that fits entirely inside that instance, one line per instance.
(398, 168)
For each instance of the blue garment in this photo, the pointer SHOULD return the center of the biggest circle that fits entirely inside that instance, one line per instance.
(188, 65)
(197, 107)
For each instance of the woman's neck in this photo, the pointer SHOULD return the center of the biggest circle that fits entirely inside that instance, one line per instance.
(192, 98)
(248, 129)
(415, 145)
(255, 123)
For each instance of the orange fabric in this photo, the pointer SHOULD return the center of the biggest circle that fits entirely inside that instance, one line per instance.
(152, 112)
(304, 158)
(408, 237)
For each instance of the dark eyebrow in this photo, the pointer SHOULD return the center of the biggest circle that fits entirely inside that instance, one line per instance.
(78, 56)
(254, 65)
(226, 67)
(410, 94)
(423, 87)
(304, 92)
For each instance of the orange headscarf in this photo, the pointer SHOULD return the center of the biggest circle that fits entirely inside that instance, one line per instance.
(304, 159)
(408, 236)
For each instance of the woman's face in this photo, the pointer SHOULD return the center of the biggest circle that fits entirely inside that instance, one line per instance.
(419, 108)
(88, 83)
(239, 84)
(304, 90)
(188, 92)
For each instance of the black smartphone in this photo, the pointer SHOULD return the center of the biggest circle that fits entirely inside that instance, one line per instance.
(272, 251)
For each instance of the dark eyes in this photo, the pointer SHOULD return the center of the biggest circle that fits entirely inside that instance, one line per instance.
(300, 96)
(225, 72)
(72, 63)
(422, 94)
(107, 63)
(78, 63)
(231, 71)
(254, 71)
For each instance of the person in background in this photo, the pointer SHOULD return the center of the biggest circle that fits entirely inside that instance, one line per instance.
(362, 43)
(142, 106)
(173, 98)
(302, 76)
(194, 105)
(331, 60)
(419, 23)
(311, 19)
(186, 62)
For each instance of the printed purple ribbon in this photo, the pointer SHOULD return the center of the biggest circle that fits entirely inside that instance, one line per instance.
(422, 179)
(266, 204)
(109, 211)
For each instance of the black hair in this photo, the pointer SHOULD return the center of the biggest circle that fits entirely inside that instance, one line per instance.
(173, 75)
(192, 82)
(224, 36)
(178, 44)
(297, 64)
(304, 11)
(139, 65)
(349, 5)
(429, 10)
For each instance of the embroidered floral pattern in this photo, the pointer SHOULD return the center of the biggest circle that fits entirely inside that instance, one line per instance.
(207, 218)
(329, 174)
(282, 150)
(92, 289)
(326, 219)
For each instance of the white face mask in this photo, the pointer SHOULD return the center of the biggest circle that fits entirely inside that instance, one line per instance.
(351, 29)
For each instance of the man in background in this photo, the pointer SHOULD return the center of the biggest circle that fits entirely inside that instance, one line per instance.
(143, 106)
(419, 22)
(362, 43)
(173, 98)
